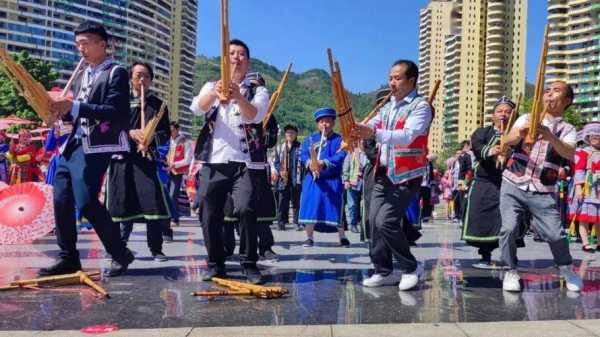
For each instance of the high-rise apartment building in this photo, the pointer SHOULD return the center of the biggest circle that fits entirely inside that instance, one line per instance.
(435, 24)
(574, 51)
(160, 32)
(483, 59)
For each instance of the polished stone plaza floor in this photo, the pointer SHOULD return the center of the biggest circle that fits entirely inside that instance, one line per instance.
(324, 284)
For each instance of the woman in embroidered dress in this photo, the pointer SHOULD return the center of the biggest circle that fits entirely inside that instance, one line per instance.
(587, 181)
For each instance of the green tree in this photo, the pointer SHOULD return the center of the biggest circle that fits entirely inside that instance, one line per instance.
(574, 117)
(303, 94)
(10, 100)
(571, 115)
(449, 151)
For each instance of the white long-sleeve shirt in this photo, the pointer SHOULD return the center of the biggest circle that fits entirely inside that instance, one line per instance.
(228, 131)
(415, 125)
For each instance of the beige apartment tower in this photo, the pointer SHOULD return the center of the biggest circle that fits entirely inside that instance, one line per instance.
(435, 24)
(483, 59)
(574, 51)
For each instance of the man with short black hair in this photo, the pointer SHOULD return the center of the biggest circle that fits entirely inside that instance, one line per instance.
(233, 154)
(400, 129)
(134, 191)
(99, 110)
(288, 176)
(179, 159)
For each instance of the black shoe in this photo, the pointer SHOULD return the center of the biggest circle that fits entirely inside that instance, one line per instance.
(281, 226)
(60, 267)
(299, 228)
(160, 257)
(344, 242)
(167, 238)
(253, 275)
(218, 271)
(119, 267)
(269, 255)
(308, 243)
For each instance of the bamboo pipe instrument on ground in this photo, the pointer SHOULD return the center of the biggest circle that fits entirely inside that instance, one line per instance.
(342, 104)
(243, 289)
(79, 277)
(225, 61)
(538, 109)
(275, 97)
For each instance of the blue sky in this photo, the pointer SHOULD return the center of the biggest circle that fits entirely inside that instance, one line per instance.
(365, 38)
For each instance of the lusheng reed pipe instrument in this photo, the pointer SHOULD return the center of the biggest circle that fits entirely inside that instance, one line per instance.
(436, 87)
(150, 129)
(79, 277)
(285, 163)
(243, 289)
(142, 104)
(538, 110)
(71, 80)
(505, 128)
(376, 109)
(342, 104)
(225, 61)
(275, 96)
(33, 91)
(315, 156)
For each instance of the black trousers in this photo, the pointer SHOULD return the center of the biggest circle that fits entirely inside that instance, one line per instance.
(425, 194)
(387, 207)
(216, 181)
(291, 194)
(460, 205)
(264, 233)
(77, 183)
(154, 231)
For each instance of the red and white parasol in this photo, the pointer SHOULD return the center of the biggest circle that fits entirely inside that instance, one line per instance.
(26, 212)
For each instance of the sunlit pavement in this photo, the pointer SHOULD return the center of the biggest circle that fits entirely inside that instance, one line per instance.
(325, 292)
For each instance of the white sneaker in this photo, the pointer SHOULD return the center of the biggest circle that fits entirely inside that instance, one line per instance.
(511, 281)
(378, 280)
(411, 280)
(573, 280)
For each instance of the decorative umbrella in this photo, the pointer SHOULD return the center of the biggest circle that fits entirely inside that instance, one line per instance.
(26, 212)
(11, 120)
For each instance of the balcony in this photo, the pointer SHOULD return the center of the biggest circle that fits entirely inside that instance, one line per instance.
(557, 5)
(495, 29)
(493, 77)
(495, 53)
(496, 21)
(494, 68)
(495, 45)
(556, 16)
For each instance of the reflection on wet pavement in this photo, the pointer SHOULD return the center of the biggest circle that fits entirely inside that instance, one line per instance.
(324, 284)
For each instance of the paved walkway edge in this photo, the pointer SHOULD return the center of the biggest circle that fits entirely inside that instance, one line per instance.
(566, 328)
